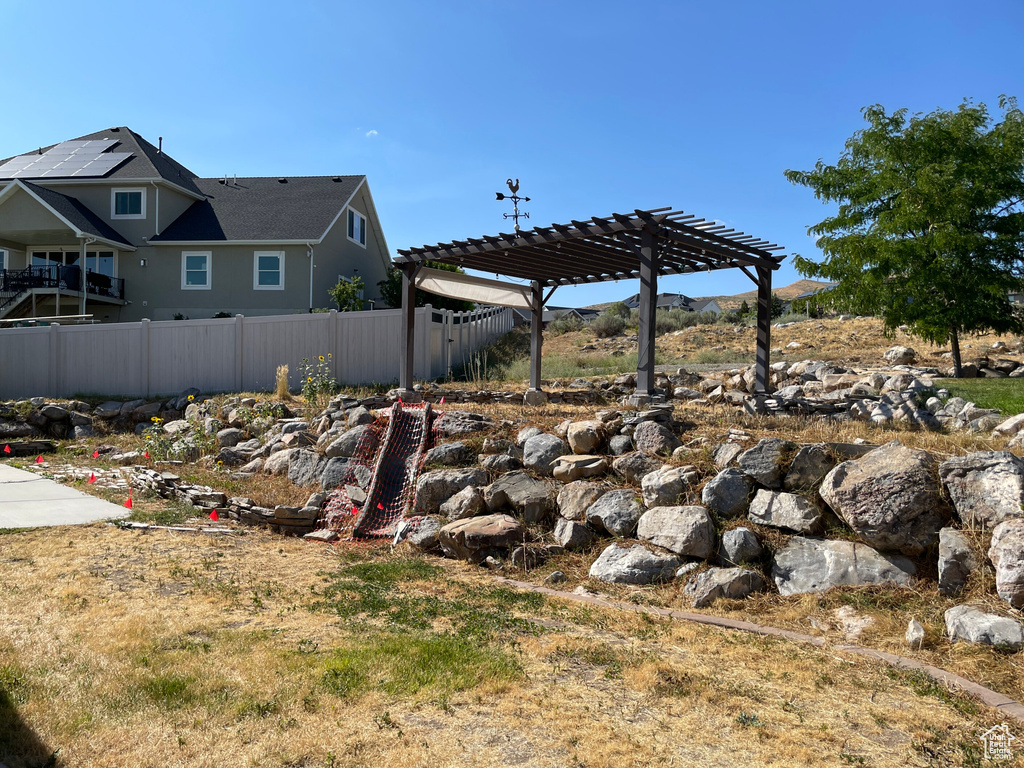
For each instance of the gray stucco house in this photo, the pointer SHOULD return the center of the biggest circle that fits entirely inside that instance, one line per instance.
(160, 242)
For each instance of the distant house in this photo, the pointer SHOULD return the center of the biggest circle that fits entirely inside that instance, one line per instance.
(677, 301)
(522, 316)
(110, 225)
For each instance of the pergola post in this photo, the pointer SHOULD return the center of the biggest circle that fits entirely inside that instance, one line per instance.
(762, 382)
(648, 307)
(535, 395)
(407, 356)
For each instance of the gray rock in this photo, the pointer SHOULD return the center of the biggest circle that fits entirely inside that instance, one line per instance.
(454, 423)
(56, 413)
(230, 437)
(532, 499)
(449, 454)
(1007, 554)
(345, 446)
(766, 461)
(500, 462)
(986, 487)
(585, 437)
(740, 545)
(631, 467)
(573, 535)
(809, 467)
(555, 577)
(915, 634)
(716, 583)
(525, 434)
(654, 439)
(726, 454)
(969, 624)
(633, 565)
(574, 498)
(785, 510)
(177, 427)
(814, 565)
(900, 356)
(616, 512)
(424, 534)
(359, 415)
(434, 488)
(79, 433)
(688, 531)
(477, 538)
(494, 445)
(956, 561)
(620, 444)
(128, 408)
(469, 502)
(338, 472)
(229, 457)
(107, 410)
(728, 492)
(890, 498)
(306, 467)
(663, 487)
(277, 463)
(540, 452)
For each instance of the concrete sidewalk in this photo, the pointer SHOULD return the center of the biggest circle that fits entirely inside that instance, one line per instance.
(30, 501)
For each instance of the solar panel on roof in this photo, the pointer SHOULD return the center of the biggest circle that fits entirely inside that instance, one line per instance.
(81, 158)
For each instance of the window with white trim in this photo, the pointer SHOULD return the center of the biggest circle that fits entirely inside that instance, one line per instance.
(268, 271)
(128, 203)
(195, 270)
(356, 227)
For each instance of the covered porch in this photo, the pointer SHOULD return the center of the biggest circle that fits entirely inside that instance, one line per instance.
(644, 244)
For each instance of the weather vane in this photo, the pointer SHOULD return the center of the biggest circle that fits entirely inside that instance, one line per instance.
(516, 199)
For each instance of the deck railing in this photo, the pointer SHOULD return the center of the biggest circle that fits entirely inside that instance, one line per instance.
(15, 282)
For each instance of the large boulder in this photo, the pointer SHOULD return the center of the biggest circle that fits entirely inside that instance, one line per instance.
(633, 565)
(338, 472)
(969, 624)
(890, 498)
(455, 423)
(345, 446)
(532, 499)
(277, 462)
(986, 487)
(652, 438)
(686, 531)
(585, 437)
(716, 583)
(728, 492)
(573, 535)
(900, 355)
(424, 533)
(740, 545)
(615, 512)
(1007, 554)
(777, 509)
(578, 466)
(574, 498)
(476, 538)
(469, 502)
(766, 461)
(814, 565)
(434, 488)
(540, 452)
(664, 486)
(306, 467)
(956, 561)
(631, 467)
(449, 454)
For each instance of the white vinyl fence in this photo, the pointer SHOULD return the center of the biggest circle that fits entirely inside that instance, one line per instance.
(239, 354)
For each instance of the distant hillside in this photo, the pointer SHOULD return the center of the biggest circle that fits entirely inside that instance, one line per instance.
(790, 291)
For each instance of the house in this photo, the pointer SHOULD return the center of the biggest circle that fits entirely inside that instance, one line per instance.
(156, 241)
(670, 301)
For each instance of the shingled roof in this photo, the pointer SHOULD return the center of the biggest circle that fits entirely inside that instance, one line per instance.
(146, 162)
(284, 208)
(80, 217)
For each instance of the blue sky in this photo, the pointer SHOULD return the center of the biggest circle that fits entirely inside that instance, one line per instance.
(598, 107)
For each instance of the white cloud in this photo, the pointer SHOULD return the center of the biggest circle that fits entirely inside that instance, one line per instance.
(372, 132)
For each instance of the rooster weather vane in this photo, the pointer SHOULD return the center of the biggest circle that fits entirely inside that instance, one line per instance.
(516, 199)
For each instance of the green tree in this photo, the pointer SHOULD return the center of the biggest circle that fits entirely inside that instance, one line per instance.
(346, 294)
(744, 309)
(930, 228)
(777, 306)
(391, 291)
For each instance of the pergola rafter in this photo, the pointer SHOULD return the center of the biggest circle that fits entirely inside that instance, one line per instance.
(644, 244)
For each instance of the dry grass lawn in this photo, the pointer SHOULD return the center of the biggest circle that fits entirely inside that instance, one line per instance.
(160, 649)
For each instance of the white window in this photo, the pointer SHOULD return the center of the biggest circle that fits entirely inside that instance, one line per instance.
(128, 203)
(356, 227)
(268, 271)
(195, 270)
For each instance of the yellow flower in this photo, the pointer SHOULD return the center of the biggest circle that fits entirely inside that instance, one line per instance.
(156, 419)
(328, 355)
(191, 398)
(220, 463)
(148, 437)
(321, 358)
(309, 378)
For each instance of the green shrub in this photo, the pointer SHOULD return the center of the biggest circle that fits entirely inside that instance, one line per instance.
(607, 324)
(619, 309)
(566, 324)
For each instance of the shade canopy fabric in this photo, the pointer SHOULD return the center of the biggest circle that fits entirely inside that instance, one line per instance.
(480, 290)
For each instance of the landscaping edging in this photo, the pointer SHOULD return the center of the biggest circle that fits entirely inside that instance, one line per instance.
(986, 696)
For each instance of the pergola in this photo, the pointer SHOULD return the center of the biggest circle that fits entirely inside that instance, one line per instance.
(644, 244)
